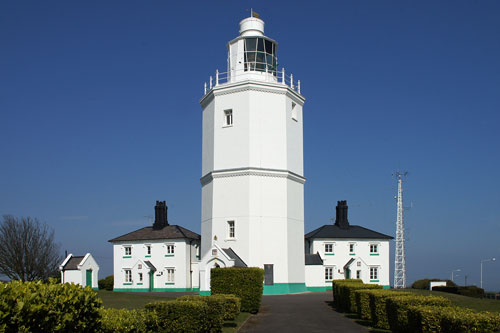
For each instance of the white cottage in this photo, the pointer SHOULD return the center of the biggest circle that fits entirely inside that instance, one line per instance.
(82, 270)
(162, 257)
(343, 251)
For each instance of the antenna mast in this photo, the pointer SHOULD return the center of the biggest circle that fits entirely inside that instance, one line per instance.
(399, 264)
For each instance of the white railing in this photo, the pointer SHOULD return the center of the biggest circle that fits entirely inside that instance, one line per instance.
(226, 77)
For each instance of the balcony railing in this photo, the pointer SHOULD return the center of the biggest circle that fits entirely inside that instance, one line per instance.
(275, 77)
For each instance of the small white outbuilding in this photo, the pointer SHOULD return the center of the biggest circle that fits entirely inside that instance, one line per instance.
(82, 270)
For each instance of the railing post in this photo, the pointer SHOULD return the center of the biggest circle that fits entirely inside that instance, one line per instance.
(291, 81)
(216, 77)
(283, 76)
(211, 79)
(205, 88)
(298, 86)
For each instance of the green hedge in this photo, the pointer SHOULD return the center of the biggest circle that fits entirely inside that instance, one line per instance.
(451, 319)
(244, 283)
(47, 307)
(344, 298)
(127, 321)
(185, 316)
(106, 283)
(426, 283)
(470, 291)
(397, 309)
(216, 308)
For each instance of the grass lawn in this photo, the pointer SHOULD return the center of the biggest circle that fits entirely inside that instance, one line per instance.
(120, 300)
(478, 304)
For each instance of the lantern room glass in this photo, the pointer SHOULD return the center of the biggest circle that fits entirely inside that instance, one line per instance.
(260, 55)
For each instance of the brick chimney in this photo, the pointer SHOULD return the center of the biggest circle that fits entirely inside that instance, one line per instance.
(341, 219)
(161, 219)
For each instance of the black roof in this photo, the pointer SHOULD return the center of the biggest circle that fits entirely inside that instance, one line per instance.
(73, 263)
(237, 260)
(352, 231)
(313, 259)
(167, 232)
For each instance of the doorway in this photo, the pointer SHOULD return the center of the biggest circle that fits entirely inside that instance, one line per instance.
(88, 282)
(268, 274)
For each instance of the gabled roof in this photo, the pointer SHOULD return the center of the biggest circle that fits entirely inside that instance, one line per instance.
(352, 231)
(150, 265)
(313, 259)
(167, 232)
(73, 263)
(237, 260)
(348, 263)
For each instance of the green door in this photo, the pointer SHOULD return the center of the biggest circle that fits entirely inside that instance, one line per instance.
(151, 281)
(89, 278)
(347, 273)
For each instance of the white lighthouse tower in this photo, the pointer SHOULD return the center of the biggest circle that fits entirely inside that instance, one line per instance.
(252, 166)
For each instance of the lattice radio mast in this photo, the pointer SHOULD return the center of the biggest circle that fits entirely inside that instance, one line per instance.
(399, 260)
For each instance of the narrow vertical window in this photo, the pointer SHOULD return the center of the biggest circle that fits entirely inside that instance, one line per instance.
(128, 276)
(373, 274)
(351, 248)
(358, 274)
(294, 112)
(228, 117)
(140, 277)
(148, 250)
(170, 275)
(170, 250)
(328, 273)
(230, 229)
(128, 250)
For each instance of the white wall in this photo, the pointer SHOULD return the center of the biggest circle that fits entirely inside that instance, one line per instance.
(315, 276)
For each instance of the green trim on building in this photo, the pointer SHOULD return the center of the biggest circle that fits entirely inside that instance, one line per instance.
(169, 255)
(284, 288)
(127, 283)
(373, 280)
(329, 254)
(127, 257)
(96, 289)
(318, 289)
(170, 283)
(205, 292)
(386, 287)
(147, 256)
(139, 284)
(145, 290)
(374, 254)
(352, 254)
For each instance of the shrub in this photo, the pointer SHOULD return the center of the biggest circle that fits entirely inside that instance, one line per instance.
(106, 283)
(397, 308)
(245, 283)
(470, 291)
(125, 321)
(232, 306)
(47, 307)
(184, 316)
(426, 283)
(451, 319)
(216, 310)
(344, 296)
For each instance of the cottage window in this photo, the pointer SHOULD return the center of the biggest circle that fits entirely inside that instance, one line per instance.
(128, 250)
(140, 277)
(230, 229)
(351, 248)
(148, 250)
(170, 275)
(170, 249)
(128, 275)
(328, 248)
(228, 117)
(373, 274)
(328, 273)
(373, 249)
(358, 274)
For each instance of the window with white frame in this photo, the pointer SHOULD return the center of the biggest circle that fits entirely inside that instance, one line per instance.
(351, 248)
(230, 229)
(358, 274)
(148, 250)
(328, 273)
(373, 248)
(328, 248)
(140, 277)
(128, 250)
(170, 249)
(228, 117)
(373, 273)
(170, 275)
(128, 276)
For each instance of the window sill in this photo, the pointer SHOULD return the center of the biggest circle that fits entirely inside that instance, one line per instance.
(169, 283)
(147, 256)
(169, 255)
(352, 254)
(139, 284)
(225, 126)
(127, 283)
(231, 239)
(329, 254)
(374, 254)
(374, 280)
(328, 281)
(126, 257)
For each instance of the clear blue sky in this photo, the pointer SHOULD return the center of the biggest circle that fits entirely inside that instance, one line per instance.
(100, 116)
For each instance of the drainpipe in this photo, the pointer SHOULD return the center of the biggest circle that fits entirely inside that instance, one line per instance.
(190, 265)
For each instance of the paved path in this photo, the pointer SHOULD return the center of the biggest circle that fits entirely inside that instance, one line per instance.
(308, 312)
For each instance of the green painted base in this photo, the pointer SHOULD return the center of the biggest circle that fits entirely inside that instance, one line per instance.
(205, 292)
(386, 287)
(143, 290)
(318, 289)
(284, 288)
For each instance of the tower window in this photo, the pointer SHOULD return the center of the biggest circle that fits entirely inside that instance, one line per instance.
(230, 229)
(228, 117)
(294, 112)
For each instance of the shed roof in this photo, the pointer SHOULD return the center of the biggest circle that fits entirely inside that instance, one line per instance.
(150, 265)
(352, 231)
(167, 232)
(238, 262)
(73, 263)
(313, 259)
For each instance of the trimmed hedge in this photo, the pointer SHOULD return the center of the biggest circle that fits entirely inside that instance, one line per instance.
(231, 304)
(106, 283)
(426, 283)
(216, 308)
(470, 291)
(344, 298)
(127, 321)
(244, 283)
(451, 319)
(397, 308)
(47, 307)
(184, 316)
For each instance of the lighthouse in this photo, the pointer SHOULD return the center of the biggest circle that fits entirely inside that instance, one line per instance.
(252, 165)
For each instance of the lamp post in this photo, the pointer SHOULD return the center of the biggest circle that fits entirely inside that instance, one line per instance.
(453, 271)
(485, 260)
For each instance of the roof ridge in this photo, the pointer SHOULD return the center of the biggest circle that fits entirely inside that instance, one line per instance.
(180, 230)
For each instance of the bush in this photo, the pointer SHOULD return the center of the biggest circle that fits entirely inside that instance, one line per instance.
(216, 310)
(47, 307)
(106, 283)
(470, 291)
(344, 298)
(126, 321)
(184, 316)
(426, 283)
(397, 308)
(230, 304)
(451, 319)
(245, 283)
